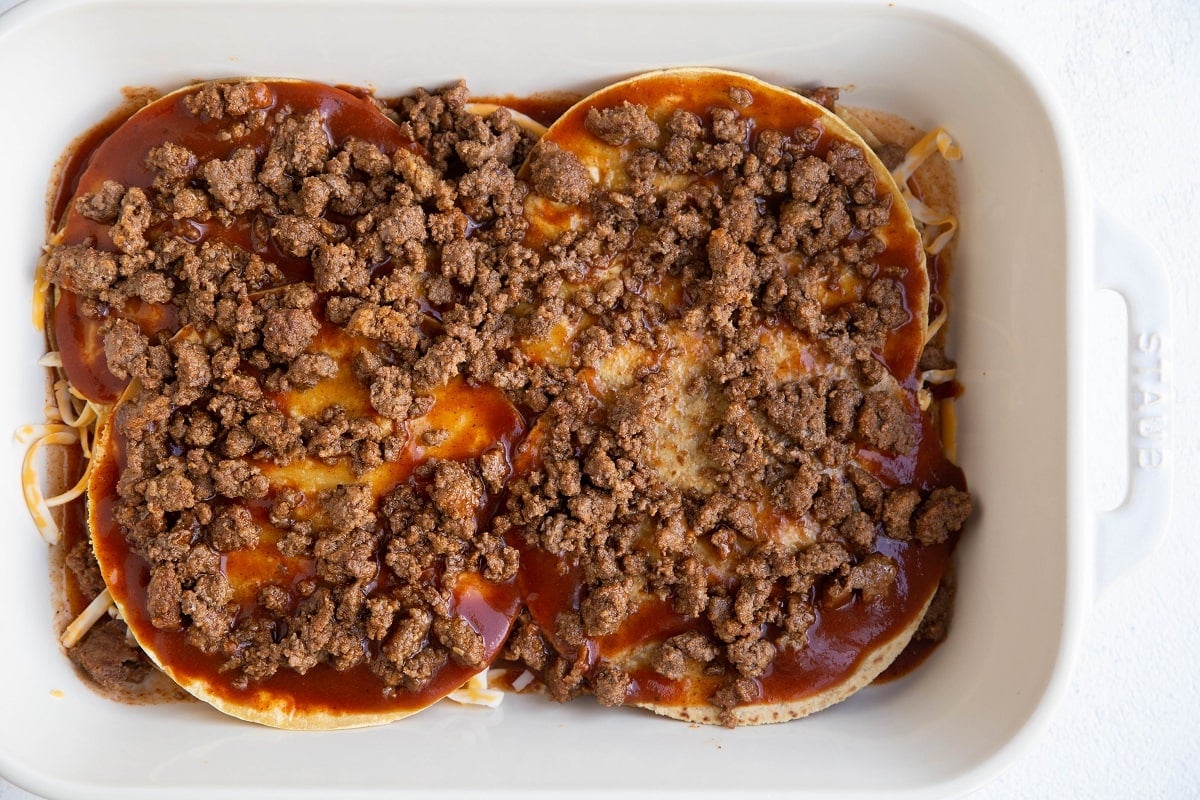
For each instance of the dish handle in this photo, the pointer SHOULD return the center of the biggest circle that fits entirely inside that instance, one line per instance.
(1131, 531)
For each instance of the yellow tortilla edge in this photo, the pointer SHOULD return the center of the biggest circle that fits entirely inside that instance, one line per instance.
(873, 662)
(832, 122)
(261, 707)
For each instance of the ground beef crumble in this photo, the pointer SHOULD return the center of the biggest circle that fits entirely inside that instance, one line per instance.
(422, 259)
(428, 525)
(597, 501)
(199, 435)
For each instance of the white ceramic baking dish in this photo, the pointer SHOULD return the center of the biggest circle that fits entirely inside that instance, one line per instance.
(1027, 266)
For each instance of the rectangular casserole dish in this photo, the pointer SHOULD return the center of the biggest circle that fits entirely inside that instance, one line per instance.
(1025, 563)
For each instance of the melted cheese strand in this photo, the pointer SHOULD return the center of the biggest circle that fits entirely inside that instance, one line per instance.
(34, 499)
(938, 376)
(28, 434)
(936, 323)
(936, 141)
(523, 680)
(87, 435)
(949, 419)
(66, 407)
(475, 692)
(75, 491)
(41, 288)
(50, 409)
(932, 217)
(87, 618)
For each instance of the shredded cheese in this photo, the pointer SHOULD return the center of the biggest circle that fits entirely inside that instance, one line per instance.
(938, 228)
(50, 409)
(75, 491)
(938, 376)
(936, 141)
(86, 437)
(37, 437)
(31, 434)
(932, 219)
(858, 126)
(86, 619)
(936, 323)
(67, 411)
(522, 681)
(73, 420)
(932, 377)
(476, 692)
(41, 288)
(949, 418)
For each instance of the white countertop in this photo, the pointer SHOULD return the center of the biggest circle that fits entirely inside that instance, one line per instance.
(1127, 73)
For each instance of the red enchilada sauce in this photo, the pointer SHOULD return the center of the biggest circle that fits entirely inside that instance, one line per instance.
(842, 628)
(461, 425)
(488, 607)
(634, 574)
(123, 154)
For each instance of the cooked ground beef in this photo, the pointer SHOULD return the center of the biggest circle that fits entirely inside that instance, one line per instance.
(108, 657)
(419, 257)
(199, 435)
(622, 124)
(596, 499)
(559, 175)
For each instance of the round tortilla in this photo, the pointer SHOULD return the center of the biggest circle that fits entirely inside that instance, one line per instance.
(697, 90)
(122, 156)
(686, 422)
(320, 698)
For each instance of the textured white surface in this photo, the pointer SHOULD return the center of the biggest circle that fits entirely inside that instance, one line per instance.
(1126, 73)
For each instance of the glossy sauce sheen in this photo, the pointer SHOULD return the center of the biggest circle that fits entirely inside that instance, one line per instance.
(777, 111)
(117, 150)
(119, 154)
(102, 157)
(122, 156)
(837, 640)
(837, 632)
(77, 159)
(81, 343)
(842, 636)
(489, 607)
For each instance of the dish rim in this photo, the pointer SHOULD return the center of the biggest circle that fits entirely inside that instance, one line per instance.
(967, 24)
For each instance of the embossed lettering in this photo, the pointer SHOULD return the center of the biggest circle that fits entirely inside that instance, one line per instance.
(1149, 458)
(1150, 400)
(1149, 342)
(1147, 356)
(1151, 427)
(1146, 397)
